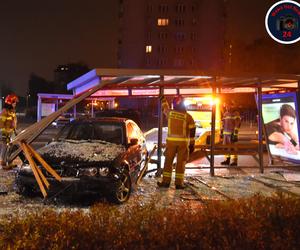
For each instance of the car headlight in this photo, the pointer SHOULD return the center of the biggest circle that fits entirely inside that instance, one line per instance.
(103, 171)
(88, 171)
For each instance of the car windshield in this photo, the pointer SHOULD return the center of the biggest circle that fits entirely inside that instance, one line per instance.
(109, 132)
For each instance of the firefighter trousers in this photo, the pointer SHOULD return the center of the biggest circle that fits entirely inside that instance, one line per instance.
(4, 140)
(180, 150)
(227, 140)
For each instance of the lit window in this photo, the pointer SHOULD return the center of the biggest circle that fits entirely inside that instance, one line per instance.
(162, 21)
(148, 49)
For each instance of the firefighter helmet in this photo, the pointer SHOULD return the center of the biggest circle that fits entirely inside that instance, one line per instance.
(12, 98)
(178, 103)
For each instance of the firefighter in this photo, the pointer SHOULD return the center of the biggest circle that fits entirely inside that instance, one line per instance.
(8, 125)
(231, 123)
(180, 141)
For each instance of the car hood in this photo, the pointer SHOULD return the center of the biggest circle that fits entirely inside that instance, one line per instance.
(71, 151)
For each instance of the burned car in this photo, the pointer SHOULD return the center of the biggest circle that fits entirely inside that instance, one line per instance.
(102, 155)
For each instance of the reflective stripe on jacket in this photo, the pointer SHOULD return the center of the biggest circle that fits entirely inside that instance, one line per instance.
(8, 121)
(179, 124)
(231, 122)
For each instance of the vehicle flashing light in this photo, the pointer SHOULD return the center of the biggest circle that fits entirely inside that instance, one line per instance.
(214, 101)
(187, 102)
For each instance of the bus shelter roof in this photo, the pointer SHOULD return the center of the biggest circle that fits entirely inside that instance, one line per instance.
(179, 79)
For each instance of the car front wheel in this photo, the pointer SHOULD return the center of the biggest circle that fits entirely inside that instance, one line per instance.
(122, 189)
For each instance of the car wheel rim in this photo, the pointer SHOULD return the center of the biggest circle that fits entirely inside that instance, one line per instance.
(124, 188)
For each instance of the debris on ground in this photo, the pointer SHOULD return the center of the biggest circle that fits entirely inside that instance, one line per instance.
(201, 189)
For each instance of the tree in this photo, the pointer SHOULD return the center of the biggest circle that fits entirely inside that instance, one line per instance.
(5, 90)
(64, 74)
(37, 85)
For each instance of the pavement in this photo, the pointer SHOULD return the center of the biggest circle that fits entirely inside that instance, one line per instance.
(243, 181)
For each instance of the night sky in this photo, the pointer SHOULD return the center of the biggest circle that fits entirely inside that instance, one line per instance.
(37, 36)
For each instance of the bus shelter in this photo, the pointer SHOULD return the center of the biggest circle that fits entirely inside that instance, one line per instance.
(49, 103)
(154, 83)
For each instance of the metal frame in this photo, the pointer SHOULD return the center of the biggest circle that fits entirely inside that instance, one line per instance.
(162, 80)
(107, 82)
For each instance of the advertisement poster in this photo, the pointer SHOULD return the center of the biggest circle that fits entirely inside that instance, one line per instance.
(47, 109)
(280, 116)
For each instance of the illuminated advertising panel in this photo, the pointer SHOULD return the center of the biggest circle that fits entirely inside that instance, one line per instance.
(280, 116)
(48, 108)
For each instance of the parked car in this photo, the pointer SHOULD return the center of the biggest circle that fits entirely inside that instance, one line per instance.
(102, 155)
(62, 120)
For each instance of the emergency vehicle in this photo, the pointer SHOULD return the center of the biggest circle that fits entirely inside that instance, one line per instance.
(200, 108)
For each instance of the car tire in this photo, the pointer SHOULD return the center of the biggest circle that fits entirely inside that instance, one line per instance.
(121, 190)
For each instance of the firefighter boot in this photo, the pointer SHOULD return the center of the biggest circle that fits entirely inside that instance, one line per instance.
(226, 162)
(234, 159)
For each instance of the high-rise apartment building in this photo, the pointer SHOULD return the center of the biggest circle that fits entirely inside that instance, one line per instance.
(186, 34)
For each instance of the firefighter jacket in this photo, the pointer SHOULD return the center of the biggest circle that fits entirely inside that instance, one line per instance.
(231, 122)
(181, 125)
(8, 122)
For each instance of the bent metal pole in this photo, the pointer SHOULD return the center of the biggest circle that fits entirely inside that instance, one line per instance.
(33, 131)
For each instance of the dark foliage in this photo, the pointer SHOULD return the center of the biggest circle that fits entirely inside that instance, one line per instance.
(255, 223)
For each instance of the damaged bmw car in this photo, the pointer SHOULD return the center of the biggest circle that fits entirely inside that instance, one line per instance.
(101, 155)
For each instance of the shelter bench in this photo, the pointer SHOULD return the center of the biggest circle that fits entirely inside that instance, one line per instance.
(232, 149)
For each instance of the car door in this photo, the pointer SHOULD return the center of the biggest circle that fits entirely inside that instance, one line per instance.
(134, 150)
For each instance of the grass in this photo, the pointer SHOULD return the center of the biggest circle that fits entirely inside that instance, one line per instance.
(254, 223)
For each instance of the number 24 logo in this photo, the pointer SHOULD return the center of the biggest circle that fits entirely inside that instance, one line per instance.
(286, 34)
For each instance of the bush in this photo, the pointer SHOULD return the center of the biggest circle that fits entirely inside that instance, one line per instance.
(255, 223)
